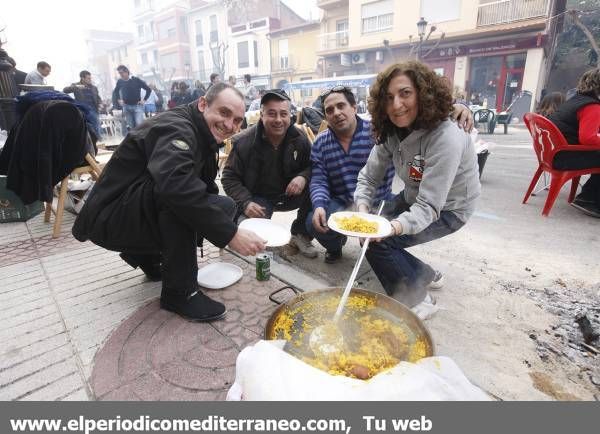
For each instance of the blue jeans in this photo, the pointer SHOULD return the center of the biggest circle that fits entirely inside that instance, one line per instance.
(134, 115)
(401, 274)
(331, 240)
(150, 108)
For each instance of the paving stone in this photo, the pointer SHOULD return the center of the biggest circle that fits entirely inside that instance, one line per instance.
(183, 375)
(38, 380)
(57, 390)
(123, 393)
(36, 364)
(116, 334)
(30, 316)
(37, 349)
(27, 307)
(206, 358)
(77, 395)
(7, 333)
(41, 296)
(37, 336)
(26, 289)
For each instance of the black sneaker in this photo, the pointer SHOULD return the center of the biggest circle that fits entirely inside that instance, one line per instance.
(150, 265)
(332, 257)
(195, 307)
(587, 207)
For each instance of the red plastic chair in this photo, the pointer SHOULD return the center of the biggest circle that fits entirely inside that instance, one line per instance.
(547, 141)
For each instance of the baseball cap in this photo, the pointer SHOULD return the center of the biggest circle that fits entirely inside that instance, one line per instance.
(272, 94)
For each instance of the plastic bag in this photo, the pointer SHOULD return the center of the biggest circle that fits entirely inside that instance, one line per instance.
(264, 372)
(77, 193)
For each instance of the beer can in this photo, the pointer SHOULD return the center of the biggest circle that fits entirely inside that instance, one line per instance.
(263, 267)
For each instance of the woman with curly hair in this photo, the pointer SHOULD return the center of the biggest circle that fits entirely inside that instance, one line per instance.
(579, 121)
(410, 108)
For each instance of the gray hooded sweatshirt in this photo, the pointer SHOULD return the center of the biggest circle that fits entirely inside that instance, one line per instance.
(439, 170)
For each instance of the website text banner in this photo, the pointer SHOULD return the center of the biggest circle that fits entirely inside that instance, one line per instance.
(288, 417)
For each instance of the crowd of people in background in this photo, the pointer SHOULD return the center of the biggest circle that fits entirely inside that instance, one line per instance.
(133, 99)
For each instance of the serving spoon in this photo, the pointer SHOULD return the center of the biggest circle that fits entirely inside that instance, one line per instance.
(327, 339)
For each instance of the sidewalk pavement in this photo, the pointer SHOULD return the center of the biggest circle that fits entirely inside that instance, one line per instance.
(61, 300)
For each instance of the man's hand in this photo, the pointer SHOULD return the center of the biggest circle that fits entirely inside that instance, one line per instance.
(141, 102)
(396, 230)
(247, 243)
(121, 102)
(296, 186)
(254, 210)
(319, 220)
(463, 116)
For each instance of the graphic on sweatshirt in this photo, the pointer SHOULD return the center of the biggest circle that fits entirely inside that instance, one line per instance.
(416, 167)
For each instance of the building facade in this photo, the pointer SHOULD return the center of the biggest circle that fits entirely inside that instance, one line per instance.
(209, 39)
(162, 41)
(490, 50)
(294, 58)
(106, 50)
(250, 47)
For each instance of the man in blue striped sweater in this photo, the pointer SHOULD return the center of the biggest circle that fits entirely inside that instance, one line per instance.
(337, 156)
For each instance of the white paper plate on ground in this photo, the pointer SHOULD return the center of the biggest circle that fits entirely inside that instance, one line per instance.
(384, 227)
(275, 234)
(219, 275)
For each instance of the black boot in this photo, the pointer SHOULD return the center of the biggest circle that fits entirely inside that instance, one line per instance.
(149, 264)
(195, 307)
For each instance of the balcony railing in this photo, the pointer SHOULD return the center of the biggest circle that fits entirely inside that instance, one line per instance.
(508, 11)
(331, 41)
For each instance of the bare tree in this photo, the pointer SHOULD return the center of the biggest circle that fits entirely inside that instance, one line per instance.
(217, 52)
(574, 15)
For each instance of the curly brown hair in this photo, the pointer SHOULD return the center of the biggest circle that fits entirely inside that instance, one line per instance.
(589, 83)
(434, 96)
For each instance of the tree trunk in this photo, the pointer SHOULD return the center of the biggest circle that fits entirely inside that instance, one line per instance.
(586, 32)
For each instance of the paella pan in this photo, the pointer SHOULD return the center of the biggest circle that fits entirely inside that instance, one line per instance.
(378, 332)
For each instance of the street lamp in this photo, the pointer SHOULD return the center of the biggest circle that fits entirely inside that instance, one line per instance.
(421, 26)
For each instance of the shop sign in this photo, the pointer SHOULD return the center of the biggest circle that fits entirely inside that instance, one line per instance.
(488, 47)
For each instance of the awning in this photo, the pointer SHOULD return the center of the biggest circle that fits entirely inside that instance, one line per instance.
(326, 83)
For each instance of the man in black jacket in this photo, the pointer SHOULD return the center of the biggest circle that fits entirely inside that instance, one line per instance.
(86, 93)
(127, 95)
(268, 169)
(157, 197)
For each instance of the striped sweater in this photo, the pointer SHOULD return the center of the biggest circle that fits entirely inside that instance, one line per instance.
(334, 172)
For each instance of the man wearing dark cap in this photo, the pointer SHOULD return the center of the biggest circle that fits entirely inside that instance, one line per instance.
(268, 169)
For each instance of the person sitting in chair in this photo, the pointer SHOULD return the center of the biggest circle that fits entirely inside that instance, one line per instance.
(578, 119)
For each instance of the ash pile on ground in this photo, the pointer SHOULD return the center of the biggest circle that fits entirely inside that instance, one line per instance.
(564, 340)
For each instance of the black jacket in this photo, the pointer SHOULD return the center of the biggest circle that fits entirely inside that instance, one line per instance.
(43, 148)
(565, 117)
(168, 161)
(129, 91)
(244, 165)
(88, 94)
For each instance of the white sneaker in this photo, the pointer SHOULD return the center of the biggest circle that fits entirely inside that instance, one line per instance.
(304, 245)
(426, 309)
(437, 283)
